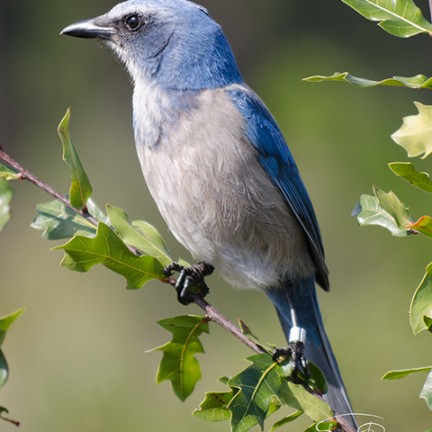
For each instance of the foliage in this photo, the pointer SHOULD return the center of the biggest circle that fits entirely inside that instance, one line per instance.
(5, 323)
(401, 18)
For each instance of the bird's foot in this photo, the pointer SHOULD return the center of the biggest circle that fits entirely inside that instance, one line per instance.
(294, 356)
(190, 282)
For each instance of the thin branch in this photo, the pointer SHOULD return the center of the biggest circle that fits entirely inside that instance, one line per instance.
(27, 175)
(215, 316)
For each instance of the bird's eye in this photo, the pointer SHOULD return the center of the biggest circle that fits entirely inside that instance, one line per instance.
(133, 22)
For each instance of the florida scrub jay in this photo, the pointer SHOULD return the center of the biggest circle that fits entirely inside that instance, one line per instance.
(217, 165)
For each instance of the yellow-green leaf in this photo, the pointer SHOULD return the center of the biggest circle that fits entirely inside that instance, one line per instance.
(80, 189)
(421, 304)
(400, 18)
(415, 135)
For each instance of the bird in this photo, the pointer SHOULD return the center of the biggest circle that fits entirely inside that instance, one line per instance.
(218, 166)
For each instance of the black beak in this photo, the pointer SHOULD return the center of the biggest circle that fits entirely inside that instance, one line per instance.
(88, 29)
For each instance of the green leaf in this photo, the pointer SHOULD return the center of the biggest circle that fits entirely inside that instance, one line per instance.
(415, 134)
(5, 323)
(58, 221)
(426, 392)
(415, 82)
(402, 373)
(4, 370)
(407, 171)
(383, 209)
(258, 386)
(80, 190)
(6, 195)
(422, 226)
(139, 235)
(400, 18)
(421, 304)
(323, 426)
(179, 365)
(8, 173)
(288, 419)
(314, 407)
(214, 407)
(82, 253)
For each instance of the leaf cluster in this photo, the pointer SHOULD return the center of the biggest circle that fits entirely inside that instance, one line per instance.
(401, 18)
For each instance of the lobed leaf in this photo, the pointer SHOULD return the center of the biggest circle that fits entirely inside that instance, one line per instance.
(178, 364)
(80, 189)
(57, 221)
(415, 134)
(426, 392)
(415, 82)
(214, 407)
(399, 374)
(408, 172)
(257, 386)
(400, 18)
(6, 195)
(421, 303)
(106, 248)
(384, 209)
(139, 235)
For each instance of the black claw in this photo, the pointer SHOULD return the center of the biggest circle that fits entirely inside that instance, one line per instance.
(190, 281)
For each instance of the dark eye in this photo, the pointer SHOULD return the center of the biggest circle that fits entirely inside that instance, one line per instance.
(133, 22)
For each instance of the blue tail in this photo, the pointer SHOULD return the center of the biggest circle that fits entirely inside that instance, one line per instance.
(301, 297)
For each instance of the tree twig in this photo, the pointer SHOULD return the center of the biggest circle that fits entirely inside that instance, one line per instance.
(24, 174)
(214, 315)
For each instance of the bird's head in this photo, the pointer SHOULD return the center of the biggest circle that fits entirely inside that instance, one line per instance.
(175, 42)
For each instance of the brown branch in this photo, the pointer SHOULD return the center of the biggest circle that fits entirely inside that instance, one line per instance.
(24, 174)
(214, 315)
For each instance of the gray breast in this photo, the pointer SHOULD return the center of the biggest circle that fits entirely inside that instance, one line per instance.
(218, 201)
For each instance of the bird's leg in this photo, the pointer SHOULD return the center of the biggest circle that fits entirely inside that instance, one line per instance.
(295, 354)
(190, 281)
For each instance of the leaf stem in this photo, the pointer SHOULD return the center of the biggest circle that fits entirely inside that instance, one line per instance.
(27, 175)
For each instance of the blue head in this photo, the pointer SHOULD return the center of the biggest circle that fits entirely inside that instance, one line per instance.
(175, 42)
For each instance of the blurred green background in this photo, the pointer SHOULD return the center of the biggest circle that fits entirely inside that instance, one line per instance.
(78, 355)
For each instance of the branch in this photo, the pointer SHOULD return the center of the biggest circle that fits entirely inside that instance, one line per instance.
(27, 175)
(215, 316)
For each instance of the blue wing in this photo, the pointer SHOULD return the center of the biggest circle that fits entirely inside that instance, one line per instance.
(276, 159)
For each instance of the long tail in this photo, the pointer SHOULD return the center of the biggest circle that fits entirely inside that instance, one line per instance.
(301, 297)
